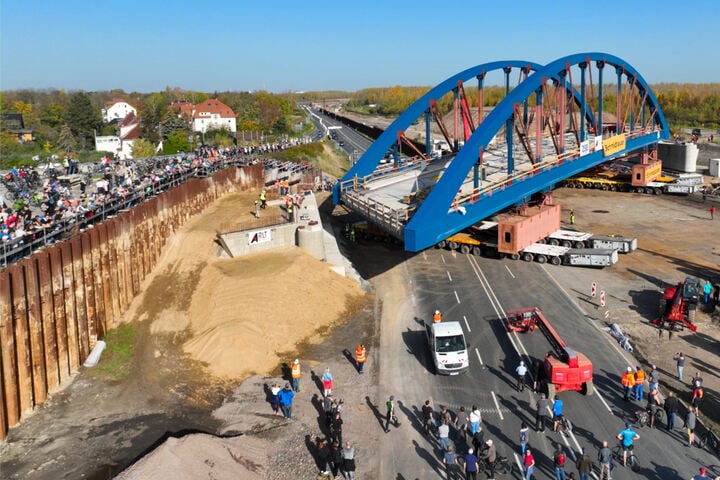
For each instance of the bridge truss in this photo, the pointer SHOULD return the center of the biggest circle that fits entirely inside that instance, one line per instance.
(554, 123)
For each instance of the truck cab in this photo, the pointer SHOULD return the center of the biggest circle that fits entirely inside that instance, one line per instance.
(448, 347)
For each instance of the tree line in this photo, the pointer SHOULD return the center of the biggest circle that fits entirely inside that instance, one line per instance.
(66, 122)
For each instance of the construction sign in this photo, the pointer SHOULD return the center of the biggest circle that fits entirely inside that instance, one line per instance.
(602, 298)
(260, 236)
(593, 289)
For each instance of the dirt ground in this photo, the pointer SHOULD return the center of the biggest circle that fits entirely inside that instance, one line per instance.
(186, 393)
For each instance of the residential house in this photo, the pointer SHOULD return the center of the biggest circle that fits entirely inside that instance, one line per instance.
(213, 114)
(121, 144)
(116, 110)
(13, 124)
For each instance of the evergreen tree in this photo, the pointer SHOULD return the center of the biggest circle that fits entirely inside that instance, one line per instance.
(83, 119)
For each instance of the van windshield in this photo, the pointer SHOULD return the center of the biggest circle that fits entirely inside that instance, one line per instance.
(454, 343)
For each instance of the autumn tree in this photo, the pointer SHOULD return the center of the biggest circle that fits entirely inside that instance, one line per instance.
(66, 141)
(141, 148)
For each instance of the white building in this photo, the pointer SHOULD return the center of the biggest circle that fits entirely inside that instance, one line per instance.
(120, 145)
(117, 110)
(213, 114)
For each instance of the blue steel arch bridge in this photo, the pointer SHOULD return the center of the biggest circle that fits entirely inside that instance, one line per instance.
(549, 125)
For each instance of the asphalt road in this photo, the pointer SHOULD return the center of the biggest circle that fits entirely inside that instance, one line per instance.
(475, 291)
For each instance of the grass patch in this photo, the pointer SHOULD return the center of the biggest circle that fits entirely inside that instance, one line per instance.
(117, 357)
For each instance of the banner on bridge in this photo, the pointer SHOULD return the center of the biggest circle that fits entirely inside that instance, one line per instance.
(614, 144)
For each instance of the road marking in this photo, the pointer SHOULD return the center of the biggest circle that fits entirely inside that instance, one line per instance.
(449, 277)
(456, 296)
(467, 325)
(577, 444)
(603, 401)
(519, 463)
(508, 269)
(479, 357)
(442, 257)
(425, 255)
(497, 405)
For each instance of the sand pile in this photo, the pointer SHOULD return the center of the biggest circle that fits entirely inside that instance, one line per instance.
(202, 456)
(246, 311)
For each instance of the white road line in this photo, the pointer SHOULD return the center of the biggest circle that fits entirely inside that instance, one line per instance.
(467, 325)
(449, 277)
(603, 401)
(479, 357)
(519, 464)
(577, 444)
(456, 296)
(508, 269)
(442, 258)
(497, 405)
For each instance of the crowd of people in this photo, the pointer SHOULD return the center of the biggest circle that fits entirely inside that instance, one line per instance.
(50, 209)
(334, 456)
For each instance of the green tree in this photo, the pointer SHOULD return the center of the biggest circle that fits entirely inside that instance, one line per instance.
(142, 148)
(66, 140)
(151, 113)
(176, 142)
(83, 119)
(53, 115)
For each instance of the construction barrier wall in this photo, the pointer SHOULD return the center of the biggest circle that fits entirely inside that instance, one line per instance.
(56, 304)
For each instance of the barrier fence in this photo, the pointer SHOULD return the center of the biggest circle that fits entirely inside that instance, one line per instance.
(56, 303)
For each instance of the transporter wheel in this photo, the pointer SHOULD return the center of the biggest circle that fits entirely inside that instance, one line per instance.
(570, 185)
(542, 241)
(613, 188)
(453, 245)
(555, 260)
(528, 257)
(579, 185)
(597, 185)
(477, 251)
(541, 259)
(657, 191)
(464, 249)
(441, 244)
(554, 241)
(566, 243)
(514, 256)
(649, 190)
(579, 244)
(588, 388)
(605, 187)
(639, 190)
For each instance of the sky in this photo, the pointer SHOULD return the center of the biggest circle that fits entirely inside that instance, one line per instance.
(280, 46)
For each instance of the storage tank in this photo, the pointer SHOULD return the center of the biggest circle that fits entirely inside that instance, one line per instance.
(715, 167)
(310, 239)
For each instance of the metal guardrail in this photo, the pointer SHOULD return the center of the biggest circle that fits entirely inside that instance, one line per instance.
(16, 249)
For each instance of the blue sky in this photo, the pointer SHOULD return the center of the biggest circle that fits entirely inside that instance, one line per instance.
(282, 46)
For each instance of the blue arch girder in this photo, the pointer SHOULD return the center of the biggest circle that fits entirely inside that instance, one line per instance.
(434, 221)
(372, 156)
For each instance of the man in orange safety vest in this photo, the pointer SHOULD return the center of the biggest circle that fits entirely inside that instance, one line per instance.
(296, 374)
(437, 317)
(639, 383)
(360, 353)
(628, 382)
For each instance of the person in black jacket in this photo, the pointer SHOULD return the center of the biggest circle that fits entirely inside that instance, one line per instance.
(336, 459)
(671, 409)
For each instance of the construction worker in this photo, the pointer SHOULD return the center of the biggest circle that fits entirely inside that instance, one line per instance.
(628, 382)
(262, 199)
(639, 383)
(572, 217)
(291, 218)
(296, 373)
(437, 316)
(360, 353)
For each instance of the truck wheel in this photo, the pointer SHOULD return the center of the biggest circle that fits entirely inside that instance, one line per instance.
(597, 185)
(554, 241)
(588, 388)
(657, 191)
(453, 245)
(613, 188)
(477, 251)
(555, 260)
(528, 257)
(464, 249)
(579, 244)
(605, 187)
(514, 256)
(570, 185)
(649, 190)
(639, 190)
(441, 244)
(579, 185)
(566, 243)
(541, 259)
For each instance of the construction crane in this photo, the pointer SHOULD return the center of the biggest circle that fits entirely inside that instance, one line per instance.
(563, 368)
